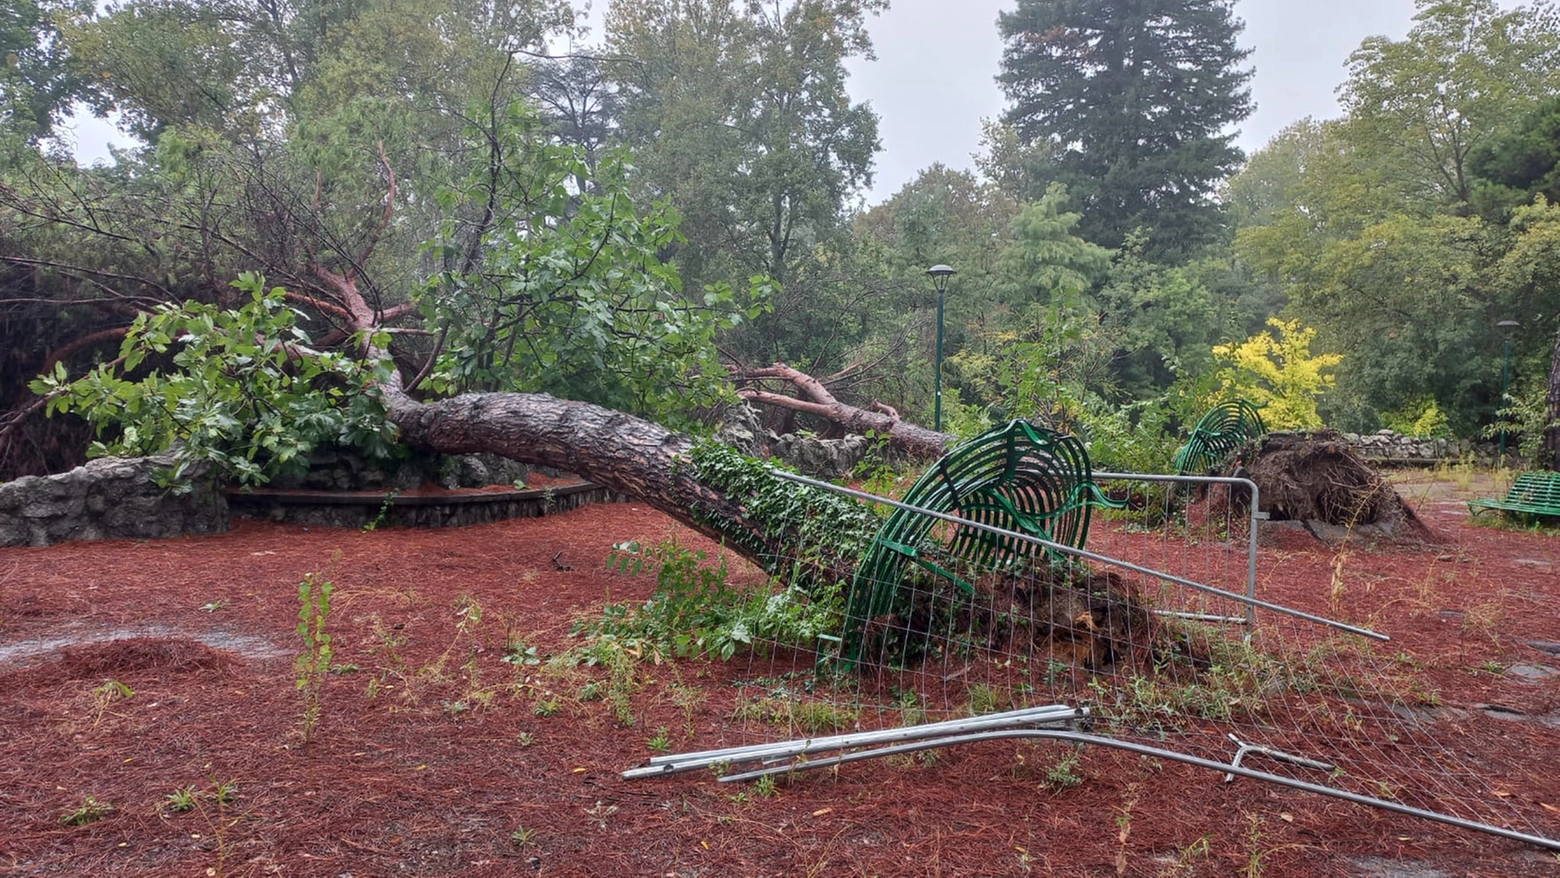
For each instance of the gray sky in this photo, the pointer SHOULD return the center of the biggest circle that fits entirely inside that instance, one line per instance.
(934, 79)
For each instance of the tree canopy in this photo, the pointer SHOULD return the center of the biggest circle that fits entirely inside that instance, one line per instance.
(671, 215)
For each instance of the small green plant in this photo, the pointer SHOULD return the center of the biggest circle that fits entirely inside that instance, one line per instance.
(620, 660)
(1124, 827)
(182, 800)
(519, 653)
(108, 693)
(1254, 851)
(695, 611)
(525, 739)
(661, 743)
(313, 663)
(382, 517)
(809, 717)
(688, 698)
(1063, 773)
(89, 811)
(223, 793)
(546, 707)
(983, 699)
(911, 711)
(523, 837)
(764, 787)
(1186, 863)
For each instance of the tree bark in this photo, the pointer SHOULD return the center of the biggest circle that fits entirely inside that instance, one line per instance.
(626, 454)
(646, 461)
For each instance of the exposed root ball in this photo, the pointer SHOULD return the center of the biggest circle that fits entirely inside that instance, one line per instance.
(1061, 613)
(1315, 478)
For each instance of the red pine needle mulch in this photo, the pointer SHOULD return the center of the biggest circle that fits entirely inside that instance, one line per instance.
(432, 756)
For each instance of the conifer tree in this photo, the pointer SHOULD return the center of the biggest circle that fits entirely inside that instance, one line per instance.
(1136, 99)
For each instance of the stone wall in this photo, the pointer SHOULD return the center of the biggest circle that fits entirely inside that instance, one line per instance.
(107, 499)
(742, 429)
(366, 510)
(119, 499)
(1387, 448)
(346, 469)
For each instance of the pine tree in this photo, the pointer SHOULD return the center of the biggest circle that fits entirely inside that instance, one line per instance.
(1135, 98)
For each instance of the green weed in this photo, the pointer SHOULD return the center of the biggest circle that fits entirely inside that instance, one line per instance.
(89, 811)
(313, 663)
(661, 743)
(1063, 773)
(181, 800)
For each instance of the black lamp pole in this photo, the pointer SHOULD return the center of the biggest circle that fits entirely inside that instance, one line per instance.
(939, 275)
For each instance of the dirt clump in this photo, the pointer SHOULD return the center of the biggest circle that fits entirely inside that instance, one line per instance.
(1316, 480)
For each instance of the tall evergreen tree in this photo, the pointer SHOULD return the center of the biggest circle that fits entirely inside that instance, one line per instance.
(1135, 97)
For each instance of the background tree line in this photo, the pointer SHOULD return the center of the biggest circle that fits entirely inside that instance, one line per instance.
(638, 220)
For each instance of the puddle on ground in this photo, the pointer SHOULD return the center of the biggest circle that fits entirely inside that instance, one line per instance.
(1380, 867)
(247, 645)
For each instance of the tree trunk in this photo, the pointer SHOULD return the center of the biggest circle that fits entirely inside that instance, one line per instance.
(626, 454)
(815, 536)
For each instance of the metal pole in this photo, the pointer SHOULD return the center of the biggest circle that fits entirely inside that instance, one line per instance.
(1505, 372)
(939, 274)
(1158, 753)
(937, 405)
(1033, 716)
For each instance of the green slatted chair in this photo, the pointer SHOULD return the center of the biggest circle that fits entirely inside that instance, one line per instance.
(1220, 433)
(1016, 477)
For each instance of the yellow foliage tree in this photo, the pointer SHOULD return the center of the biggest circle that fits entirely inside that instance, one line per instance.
(1278, 374)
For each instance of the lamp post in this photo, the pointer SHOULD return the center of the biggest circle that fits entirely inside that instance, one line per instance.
(939, 275)
(1506, 327)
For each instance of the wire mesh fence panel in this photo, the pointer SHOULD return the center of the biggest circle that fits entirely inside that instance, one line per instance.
(1196, 528)
(1144, 629)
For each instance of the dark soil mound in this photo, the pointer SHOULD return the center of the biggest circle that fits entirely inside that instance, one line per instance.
(1316, 479)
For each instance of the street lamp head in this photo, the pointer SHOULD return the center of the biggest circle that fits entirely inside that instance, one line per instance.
(1507, 326)
(939, 274)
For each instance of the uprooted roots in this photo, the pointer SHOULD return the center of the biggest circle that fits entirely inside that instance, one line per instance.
(1316, 477)
(1058, 612)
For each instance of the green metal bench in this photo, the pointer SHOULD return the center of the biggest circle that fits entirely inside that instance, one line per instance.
(1536, 493)
(1016, 477)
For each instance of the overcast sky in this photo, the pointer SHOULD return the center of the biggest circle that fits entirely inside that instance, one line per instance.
(934, 77)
